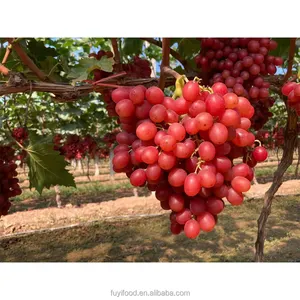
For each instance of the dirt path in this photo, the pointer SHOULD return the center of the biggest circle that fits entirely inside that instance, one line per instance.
(54, 217)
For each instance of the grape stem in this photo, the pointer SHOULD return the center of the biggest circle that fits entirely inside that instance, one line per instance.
(259, 142)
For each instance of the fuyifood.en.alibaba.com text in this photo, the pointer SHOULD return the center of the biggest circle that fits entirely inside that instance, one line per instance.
(150, 293)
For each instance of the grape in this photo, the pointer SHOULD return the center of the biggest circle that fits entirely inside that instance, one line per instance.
(207, 151)
(196, 108)
(163, 193)
(191, 229)
(181, 150)
(181, 106)
(221, 191)
(231, 100)
(245, 123)
(241, 138)
(176, 202)
(215, 104)
(125, 108)
(206, 221)
(240, 184)
(167, 143)
(207, 178)
(190, 164)
(230, 118)
(183, 216)
(153, 172)
(190, 91)
(146, 131)
(208, 166)
(219, 180)
(260, 154)
(121, 148)
(158, 113)
(214, 205)
(172, 117)
(138, 177)
(191, 126)
(142, 111)
(154, 95)
(204, 121)
(177, 131)
(234, 197)
(149, 155)
(168, 103)
(121, 159)
(241, 169)
(218, 133)
(176, 228)
(119, 94)
(137, 95)
(288, 87)
(222, 163)
(192, 185)
(177, 177)
(159, 137)
(165, 205)
(219, 88)
(197, 205)
(166, 160)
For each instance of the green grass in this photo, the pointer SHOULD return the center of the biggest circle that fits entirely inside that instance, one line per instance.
(149, 239)
(265, 172)
(92, 189)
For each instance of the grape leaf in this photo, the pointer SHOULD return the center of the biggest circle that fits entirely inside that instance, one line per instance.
(46, 166)
(86, 65)
(132, 46)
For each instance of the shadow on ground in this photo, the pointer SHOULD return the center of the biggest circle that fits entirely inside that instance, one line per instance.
(149, 239)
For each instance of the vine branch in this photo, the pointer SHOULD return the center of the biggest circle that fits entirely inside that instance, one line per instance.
(290, 138)
(7, 53)
(291, 58)
(117, 57)
(4, 70)
(165, 62)
(27, 60)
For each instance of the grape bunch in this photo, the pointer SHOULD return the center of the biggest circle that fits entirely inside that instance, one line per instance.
(20, 134)
(9, 184)
(292, 91)
(184, 150)
(241, 63)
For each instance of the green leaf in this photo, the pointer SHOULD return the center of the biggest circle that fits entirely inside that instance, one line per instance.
(46, 166)
(188, 47)
(282, 49)
(132, 46)
(86, 65)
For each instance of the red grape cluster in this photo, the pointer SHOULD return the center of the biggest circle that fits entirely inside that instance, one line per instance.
(75, 147)
(292, 91)
(138, 68)
(184, 149)
(241, 63)
(9, 186)
(20, 134)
